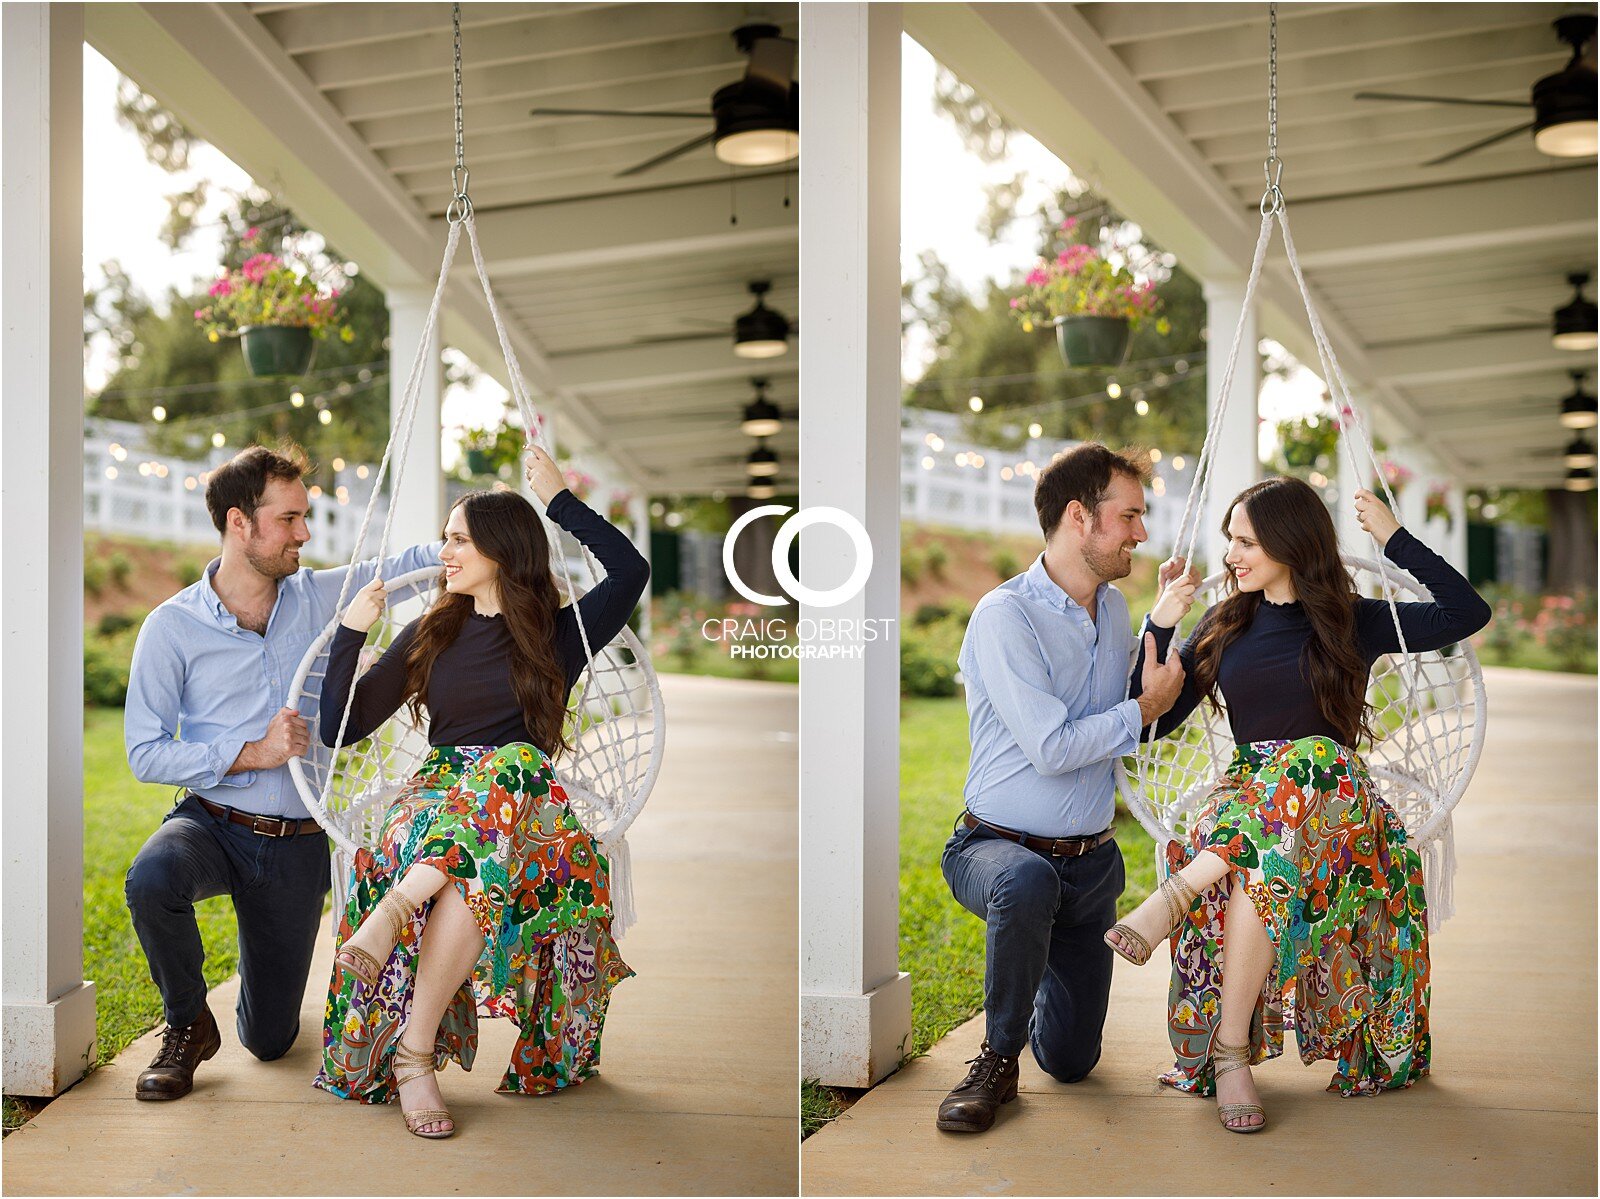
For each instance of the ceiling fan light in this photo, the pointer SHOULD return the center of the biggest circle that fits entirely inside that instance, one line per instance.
(1578, 409)
(762, 463)
(1574, 324)
(1580, 454)
(758, 147)
(761, 491)
(1580, 480)
(761, 419)
(1573, 137)
(761, 332)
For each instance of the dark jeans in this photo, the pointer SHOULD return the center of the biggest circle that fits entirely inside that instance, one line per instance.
(1047, 969)
(277, 885)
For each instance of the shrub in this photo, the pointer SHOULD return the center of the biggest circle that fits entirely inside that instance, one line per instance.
(910, 564)
(1005, 564)
(113, 623)
(932, 613)
(928, 658)
(105, 668)
(94, 576)
(189, 571)
(121, 568)
(937, 557)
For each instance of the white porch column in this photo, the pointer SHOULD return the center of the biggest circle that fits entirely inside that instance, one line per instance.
(1237, 462)
(419, 500)
(1454, 547)
(855, 1004)
(49, 1029)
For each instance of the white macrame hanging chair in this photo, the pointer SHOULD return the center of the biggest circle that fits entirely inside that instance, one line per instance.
(1428, 707)
(615, 722)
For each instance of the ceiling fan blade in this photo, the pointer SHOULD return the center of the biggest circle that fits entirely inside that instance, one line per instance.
(772, 64)
(726, 331)
(616, 112)
(1444, 100)
(1478, 145)
(694, 143)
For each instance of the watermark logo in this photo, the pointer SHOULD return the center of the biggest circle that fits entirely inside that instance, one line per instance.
(787, 532)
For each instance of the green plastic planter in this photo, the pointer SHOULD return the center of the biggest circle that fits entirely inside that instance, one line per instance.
(479, 462)
(1092, 340)
(277, 350)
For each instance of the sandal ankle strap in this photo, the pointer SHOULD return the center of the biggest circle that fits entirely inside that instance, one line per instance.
(1226, 1058)
(411, 1063)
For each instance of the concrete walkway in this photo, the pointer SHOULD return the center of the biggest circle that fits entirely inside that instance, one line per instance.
(697, 1094)
(1509, 1109)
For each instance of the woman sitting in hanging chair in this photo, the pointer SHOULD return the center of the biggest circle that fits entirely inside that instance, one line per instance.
(1295, 863)
(484, 894)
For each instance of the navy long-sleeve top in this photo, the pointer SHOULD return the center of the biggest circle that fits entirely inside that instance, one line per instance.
(470, 699)
(1263, 675)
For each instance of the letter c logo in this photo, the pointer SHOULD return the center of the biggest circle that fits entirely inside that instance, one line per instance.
(780, 556)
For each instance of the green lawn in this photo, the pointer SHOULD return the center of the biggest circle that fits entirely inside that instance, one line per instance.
(119, 812)
(941, 943)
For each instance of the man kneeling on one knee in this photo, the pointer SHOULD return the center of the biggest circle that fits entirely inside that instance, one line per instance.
(1046, 659)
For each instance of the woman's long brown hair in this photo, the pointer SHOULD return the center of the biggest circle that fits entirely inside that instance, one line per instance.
(1293, 527)
(505, 529)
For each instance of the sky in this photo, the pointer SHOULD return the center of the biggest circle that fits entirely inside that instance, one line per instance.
(942, 190)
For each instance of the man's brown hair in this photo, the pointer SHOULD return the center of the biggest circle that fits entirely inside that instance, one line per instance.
(1084, 474)
(242, 481)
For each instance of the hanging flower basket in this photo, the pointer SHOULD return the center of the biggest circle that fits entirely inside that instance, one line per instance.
(480, 462)
(1093, 340)
(275, 308)
(1091, 297)
(277, 350)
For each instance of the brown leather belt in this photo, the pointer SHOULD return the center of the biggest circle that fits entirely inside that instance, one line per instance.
(266, 826)
(1056, 847)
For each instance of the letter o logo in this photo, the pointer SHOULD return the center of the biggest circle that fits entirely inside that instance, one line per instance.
(789, 530)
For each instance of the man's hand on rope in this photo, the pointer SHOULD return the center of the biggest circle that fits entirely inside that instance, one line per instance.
(1375, 517)
(1159, 681)
(1176, 592)
(543, 475)
(366, 607)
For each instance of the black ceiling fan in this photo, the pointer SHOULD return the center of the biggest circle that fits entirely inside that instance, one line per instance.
(1563, 104)
(756, 119)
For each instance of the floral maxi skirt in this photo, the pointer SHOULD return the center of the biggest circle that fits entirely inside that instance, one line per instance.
(1326, 864)
(496, 821)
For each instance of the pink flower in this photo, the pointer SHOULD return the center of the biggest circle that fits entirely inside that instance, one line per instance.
(199, 314)
(1068, 225)
(1038, 277)
(1016, 302)
(222, 287)
(252, 233)
(257, 268)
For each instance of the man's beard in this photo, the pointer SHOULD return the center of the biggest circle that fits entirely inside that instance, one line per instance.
(1107, 564)
(272, 566)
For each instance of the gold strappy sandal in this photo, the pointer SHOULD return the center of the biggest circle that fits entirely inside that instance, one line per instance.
(397, 910)
(1179, 897)
(410, 1064)
(1225, 1059)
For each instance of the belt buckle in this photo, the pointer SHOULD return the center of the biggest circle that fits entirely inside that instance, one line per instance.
(281, 831)
(1071, 847)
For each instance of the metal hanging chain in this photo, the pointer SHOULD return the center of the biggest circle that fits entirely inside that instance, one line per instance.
(1272, 198)
(460, 203)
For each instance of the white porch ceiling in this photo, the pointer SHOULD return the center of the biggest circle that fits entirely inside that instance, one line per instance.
(1416, 270)
(620, 293)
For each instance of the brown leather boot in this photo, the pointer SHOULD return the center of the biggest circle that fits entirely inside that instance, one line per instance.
(171, 1074)
(971, 1107)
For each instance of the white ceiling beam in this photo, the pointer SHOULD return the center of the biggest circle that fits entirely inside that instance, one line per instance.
(1482, 356)
(1050, 74)
(1448, 125)
(302, 28)
(610, 230)
(487, 116)
(1381, 165)
(524, 193)
(221, 73)
(617, 69)
(1162, 54)
(1301, 79)
(1455, 218)
(531, 45)
(640, 368)
(1119, 23)
(1507, 80)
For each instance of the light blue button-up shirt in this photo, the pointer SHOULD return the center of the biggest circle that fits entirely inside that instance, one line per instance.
(1046, 706)
(201, 686)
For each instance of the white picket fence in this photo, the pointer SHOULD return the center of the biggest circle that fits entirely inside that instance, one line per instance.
(132, 492)
(948, 480)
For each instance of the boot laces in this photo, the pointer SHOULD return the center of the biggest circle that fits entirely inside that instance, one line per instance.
(173, 1042)
(985, 1067)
